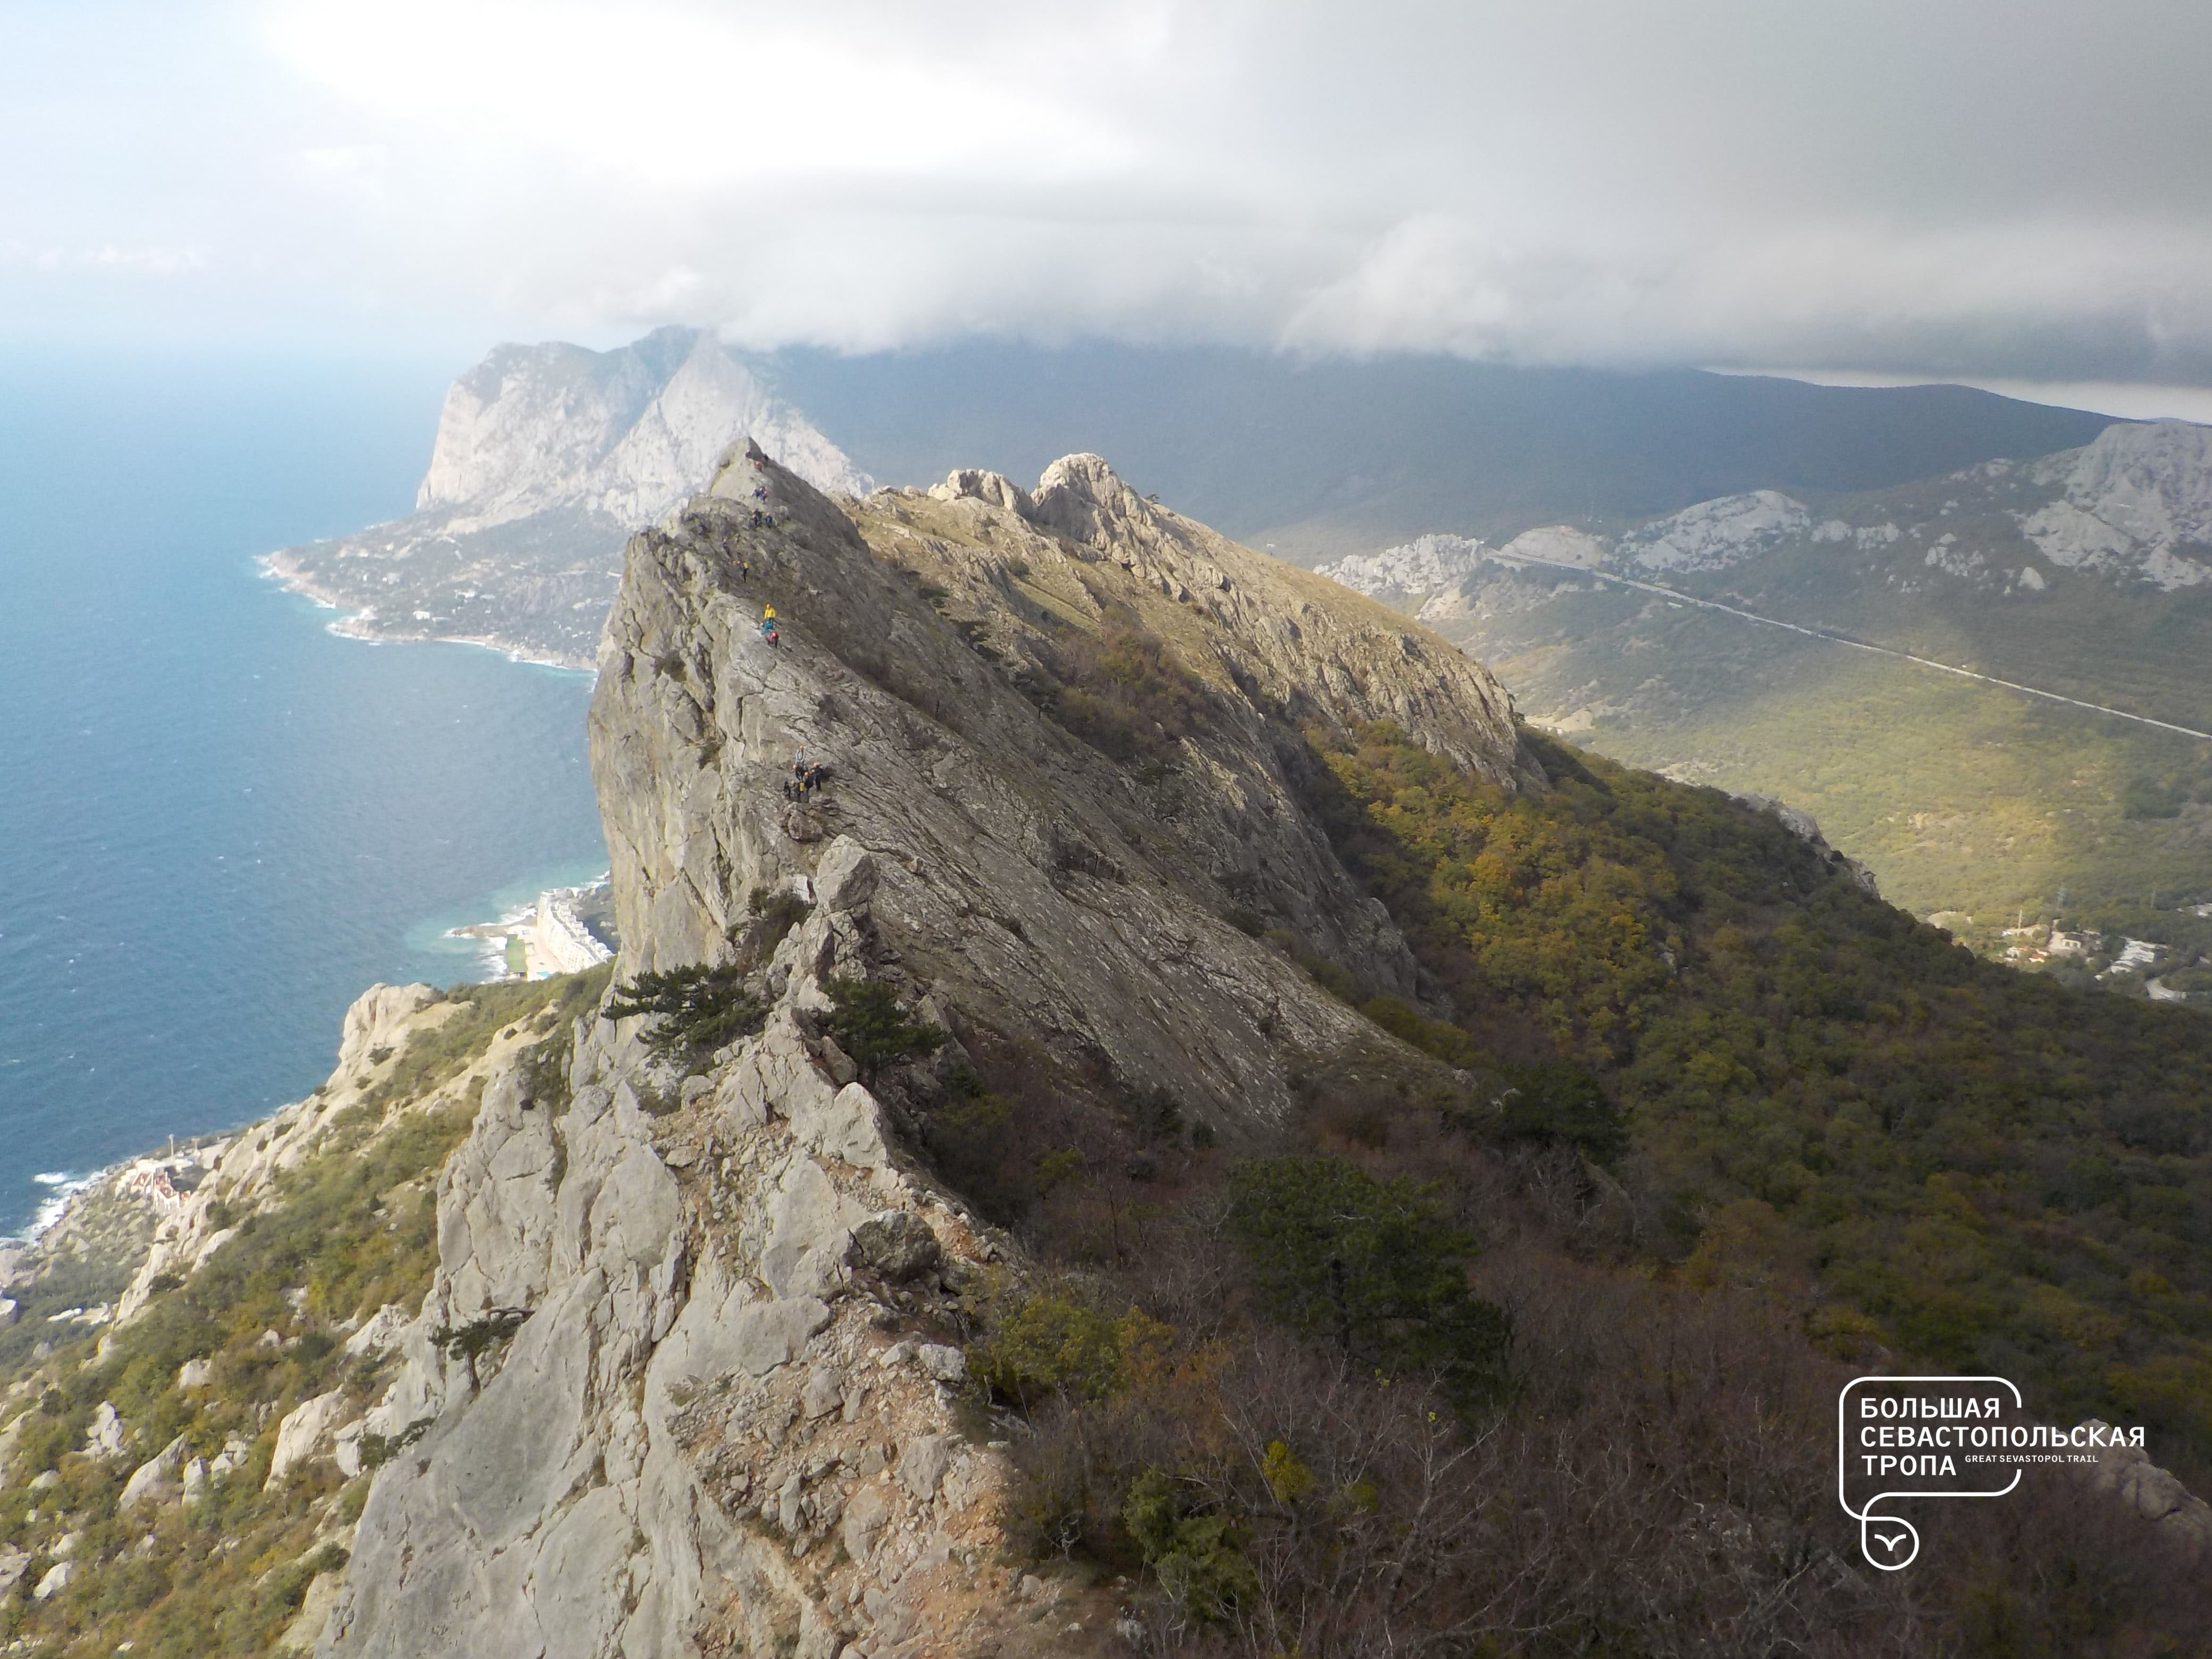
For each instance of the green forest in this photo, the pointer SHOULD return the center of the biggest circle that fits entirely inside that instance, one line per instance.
(1931, 1154)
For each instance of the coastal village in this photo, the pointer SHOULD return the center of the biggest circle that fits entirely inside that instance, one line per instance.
(568, 930)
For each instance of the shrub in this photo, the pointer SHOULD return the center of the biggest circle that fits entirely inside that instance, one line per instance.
(872, 1028)
(1124, 695)
(695, 1009)
(1559, 1104)
(771, 916)
(471, 1340)
(1055, 1343)
(1196, 1554)
(1369, 1264)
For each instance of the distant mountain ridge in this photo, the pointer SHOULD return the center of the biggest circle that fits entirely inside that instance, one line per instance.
(1314, 459)
(2087, 573)
(547, 455)
(546, 458)
(2131, 510)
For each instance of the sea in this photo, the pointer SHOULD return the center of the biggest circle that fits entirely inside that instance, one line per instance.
(220, 823)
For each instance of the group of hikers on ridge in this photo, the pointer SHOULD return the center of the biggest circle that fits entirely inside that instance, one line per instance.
(763, 517)
(804, 778)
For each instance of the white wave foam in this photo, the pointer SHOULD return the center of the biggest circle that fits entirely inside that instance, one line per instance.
(65, 1185)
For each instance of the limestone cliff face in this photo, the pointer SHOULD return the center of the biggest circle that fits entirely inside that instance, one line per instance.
(625, 434)
(547, 458)
(683, 1384)
(1029, 882)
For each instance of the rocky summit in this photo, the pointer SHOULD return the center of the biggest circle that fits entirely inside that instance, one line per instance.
(722, 1416)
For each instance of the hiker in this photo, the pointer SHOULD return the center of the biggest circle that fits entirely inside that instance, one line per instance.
(817, 775)
(768, 628)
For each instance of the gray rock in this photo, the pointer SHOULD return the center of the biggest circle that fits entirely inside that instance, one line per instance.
(57, 1579)
(790, 1504)
(378, 1333)
(307, 1626)
(897, 1246)
(809, 1231)
(825, 1391)
(943, 1362)
(923, 1462)
(105, 1437)
(156, 1479)
(771, 1334)
(302, 1432)
(834, 1060)
(848, 1125)
(14, 1563)
(867, 1514)
(2153, 1492)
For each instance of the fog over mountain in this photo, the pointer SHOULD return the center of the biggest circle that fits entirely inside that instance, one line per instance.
(1970, 191)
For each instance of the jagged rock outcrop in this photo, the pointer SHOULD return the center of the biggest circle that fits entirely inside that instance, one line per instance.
(241, 1171)
(1806, 828)
(699, 1394)
(1030, 880)
(2136, 503)
(2174, 1510)
(681, 1385)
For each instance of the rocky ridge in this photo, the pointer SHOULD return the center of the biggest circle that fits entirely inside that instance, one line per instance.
(726, 1290)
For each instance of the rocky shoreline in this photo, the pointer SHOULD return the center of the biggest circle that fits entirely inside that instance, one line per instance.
(363, 622)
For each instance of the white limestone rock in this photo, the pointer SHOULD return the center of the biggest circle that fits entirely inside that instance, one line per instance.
(105, 1437)
(1715, 534)
(157, 1480)
(302, 1432)
(1420, 566)
(379, 1018)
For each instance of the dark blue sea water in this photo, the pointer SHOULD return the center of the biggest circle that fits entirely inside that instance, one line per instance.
(219, 822)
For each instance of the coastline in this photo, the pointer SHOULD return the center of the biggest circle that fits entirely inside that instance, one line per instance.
(361, 623)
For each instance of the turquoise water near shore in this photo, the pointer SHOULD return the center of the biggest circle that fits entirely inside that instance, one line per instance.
(218, 822)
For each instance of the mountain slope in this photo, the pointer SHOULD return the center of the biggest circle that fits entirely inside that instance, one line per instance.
(2081, 574)
(1198, 1134)
(546, 458)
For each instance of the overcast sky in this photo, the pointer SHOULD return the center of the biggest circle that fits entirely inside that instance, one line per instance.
(1977, 189)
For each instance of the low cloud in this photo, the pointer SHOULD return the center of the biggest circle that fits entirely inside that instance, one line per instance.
(1981, 190)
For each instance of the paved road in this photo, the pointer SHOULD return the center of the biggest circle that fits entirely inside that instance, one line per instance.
(1676, 597)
